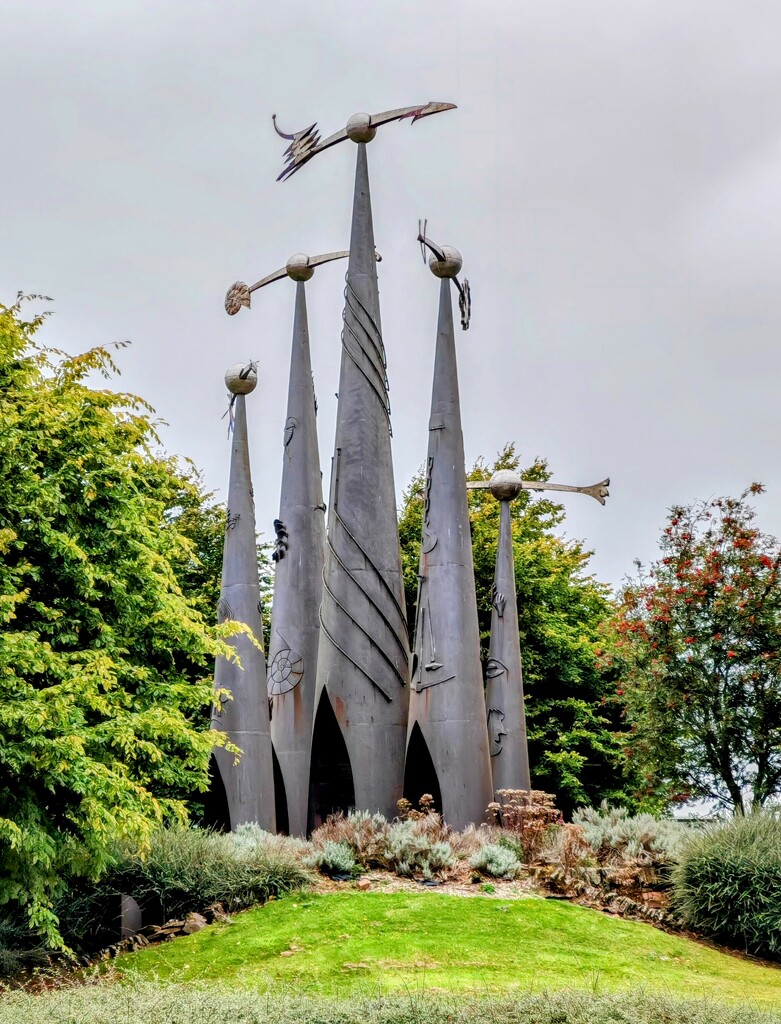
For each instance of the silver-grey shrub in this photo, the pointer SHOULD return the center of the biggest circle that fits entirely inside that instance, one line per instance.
(497, 861)
(409, 849)
(332, 859)
(617, 836)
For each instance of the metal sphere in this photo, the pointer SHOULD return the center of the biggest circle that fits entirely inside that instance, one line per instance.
(359, 128)
(241, 379)
(298, 267)
(505, 485)
(449, 266)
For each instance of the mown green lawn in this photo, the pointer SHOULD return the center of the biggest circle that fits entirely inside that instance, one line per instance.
(349, 942)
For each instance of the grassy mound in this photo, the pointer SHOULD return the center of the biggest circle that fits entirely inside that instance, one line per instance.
(177, 1004)
(357, 942)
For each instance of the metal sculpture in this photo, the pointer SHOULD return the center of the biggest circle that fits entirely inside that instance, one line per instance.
(360, 128)
(505, 710)
(248, 781)
(297, 554)
(363, 659)
(447, 725)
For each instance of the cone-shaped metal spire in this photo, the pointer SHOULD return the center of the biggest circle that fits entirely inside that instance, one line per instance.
(447, 704)
(503, 673)
(249, 783)
(295, 624)
(298, 585)
(362, 670)
(504, 676)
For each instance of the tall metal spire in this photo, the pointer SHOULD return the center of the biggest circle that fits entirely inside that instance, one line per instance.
(505, 710)
(248, 782)
(363, 660)
(448, 739)
(298, 556)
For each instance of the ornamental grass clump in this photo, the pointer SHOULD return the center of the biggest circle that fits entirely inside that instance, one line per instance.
(727, 884)
(20, 948)
(496, 860)
(149, 1003)
(185, 869)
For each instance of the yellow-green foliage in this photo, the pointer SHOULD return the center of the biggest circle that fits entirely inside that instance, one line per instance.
(103, 660)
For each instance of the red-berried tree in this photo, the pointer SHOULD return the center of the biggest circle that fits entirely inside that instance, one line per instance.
(697, 642)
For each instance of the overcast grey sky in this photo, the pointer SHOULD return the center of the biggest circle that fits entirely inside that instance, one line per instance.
(612, 177)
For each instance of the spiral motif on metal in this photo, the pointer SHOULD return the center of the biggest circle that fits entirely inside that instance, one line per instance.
(285, 671)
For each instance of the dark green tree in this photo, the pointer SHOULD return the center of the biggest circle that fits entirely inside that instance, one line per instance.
(105, 663)
(576, 744)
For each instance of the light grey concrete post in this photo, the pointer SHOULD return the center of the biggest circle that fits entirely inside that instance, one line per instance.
(248, 782)
(447, 703)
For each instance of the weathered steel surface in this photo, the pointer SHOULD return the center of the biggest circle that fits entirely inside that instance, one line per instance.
(249, 783)
(447, 701)
(298, 584)
(363, 656)
(503, 672)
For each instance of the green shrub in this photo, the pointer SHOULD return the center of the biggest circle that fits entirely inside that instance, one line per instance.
(175, 1004)
(615, 836)
(497, 861)
(185, 869)
(333, 859)
(728, 883)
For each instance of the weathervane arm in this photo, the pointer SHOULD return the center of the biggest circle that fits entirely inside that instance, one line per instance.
(299, 267)
(416, 113)
(432, 246)
(328, 257)
(306, 144)
(597, 491)
(276, 276)
(440, 254)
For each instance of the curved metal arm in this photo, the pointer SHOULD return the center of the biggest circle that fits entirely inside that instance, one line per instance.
(426, 243)
(314, 261)
(464, 291)
(306, 144)
(238, 294)
(599, 492)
